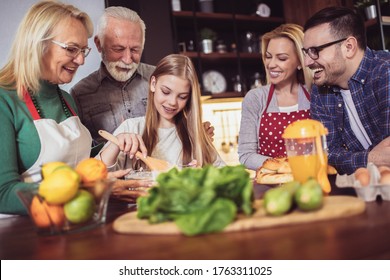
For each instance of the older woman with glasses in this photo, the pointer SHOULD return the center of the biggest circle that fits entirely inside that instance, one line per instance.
(351, 95)
(266, 111)
(38, 120)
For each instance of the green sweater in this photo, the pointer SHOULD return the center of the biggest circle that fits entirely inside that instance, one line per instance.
(19, 141)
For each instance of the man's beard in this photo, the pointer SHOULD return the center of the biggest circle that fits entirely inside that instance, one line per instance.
(120, 76)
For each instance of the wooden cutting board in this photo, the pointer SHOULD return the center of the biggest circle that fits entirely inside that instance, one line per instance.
(334, 207)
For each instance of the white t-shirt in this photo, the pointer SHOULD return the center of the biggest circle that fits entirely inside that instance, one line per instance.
(354, 120)
(288, 109)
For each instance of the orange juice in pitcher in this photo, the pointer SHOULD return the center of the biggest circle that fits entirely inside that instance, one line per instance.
(304, 166)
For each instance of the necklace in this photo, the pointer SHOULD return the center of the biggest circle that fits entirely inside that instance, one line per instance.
(63, 103)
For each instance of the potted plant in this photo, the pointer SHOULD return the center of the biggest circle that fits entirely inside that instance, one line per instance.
(207, 36)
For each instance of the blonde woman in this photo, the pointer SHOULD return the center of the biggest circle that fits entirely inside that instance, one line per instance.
(266, 111)
(172, 128)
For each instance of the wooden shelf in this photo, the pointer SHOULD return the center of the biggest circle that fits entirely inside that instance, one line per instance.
(217, 55)
(259, 19)
(232, 20)
(250, 55)
(228, 55)
(225, 16)
(227, 94)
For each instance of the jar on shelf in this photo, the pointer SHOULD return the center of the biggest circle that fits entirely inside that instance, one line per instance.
(176, 6)
(257, 81)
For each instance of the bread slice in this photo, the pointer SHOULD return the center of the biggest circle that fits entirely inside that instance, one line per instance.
(271, 179)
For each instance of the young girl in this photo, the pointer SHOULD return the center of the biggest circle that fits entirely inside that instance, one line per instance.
(172, 129)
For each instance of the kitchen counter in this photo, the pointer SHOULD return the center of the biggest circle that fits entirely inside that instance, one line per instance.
(364, 236)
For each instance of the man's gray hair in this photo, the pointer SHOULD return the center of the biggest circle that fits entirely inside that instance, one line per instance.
(120, 13)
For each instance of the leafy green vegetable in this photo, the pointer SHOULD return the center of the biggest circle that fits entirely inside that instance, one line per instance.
(198, 200)
(218, 215)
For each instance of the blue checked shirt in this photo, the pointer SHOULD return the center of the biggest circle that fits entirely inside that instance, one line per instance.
(370, 91)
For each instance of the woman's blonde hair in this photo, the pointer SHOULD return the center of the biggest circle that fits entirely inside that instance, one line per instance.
(196, 143)
(23, 69)
(294, 32)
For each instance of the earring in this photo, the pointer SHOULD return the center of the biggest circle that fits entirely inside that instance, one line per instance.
(299, 67)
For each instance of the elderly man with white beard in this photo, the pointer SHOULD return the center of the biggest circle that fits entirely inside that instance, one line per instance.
(118, 89)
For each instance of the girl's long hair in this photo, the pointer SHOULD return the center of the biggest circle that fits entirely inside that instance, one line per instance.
(23, 69)
(196, 143)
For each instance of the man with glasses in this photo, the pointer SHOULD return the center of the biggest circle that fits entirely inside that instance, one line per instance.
(351, 95)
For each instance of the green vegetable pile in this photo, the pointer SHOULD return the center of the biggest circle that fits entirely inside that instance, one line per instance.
(198, 200)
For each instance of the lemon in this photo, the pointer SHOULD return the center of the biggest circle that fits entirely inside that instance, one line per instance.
(49, 167)
(60, 186)
(81, 208)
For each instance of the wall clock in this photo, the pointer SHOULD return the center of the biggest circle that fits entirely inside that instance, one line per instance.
(214, 81)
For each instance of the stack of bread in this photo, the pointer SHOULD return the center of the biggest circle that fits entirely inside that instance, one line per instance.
(278, 171)
(274, 171)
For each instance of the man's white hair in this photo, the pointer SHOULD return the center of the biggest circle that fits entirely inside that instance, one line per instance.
(120, 13)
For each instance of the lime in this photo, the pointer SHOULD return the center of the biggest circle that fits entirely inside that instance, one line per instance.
(309, 196)
(277, 201)
(81, 208)
(60, 186)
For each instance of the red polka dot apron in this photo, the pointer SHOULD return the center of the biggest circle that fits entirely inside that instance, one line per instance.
(272, 126)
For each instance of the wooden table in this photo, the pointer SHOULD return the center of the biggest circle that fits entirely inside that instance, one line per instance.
(364, 236)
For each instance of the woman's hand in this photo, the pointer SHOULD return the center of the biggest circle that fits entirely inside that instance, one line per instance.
(209, 129)
(128, 190)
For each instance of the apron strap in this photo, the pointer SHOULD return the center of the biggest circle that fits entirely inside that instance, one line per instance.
(306, 92)
(30, 105)
(270, 94)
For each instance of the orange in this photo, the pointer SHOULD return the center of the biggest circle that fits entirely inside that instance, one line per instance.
(44, 214)
(91, 170)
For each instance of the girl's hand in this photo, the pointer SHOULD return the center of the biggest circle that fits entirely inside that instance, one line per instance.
(130, 143)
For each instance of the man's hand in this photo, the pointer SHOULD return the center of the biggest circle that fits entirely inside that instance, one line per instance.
(380, 154)
(209, 130)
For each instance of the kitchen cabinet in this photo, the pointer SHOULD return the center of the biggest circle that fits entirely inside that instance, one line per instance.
(298, 11)
(378, 29)
(236, 52)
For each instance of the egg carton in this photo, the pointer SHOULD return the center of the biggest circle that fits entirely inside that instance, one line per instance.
(367, 193)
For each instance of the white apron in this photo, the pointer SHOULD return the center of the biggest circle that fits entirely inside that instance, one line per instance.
(68, 141)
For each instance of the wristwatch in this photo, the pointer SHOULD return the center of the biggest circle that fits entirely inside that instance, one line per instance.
(214, 81)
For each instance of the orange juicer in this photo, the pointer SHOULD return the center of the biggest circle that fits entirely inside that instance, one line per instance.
(306, 148)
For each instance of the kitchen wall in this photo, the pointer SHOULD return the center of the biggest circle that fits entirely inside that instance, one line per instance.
(225, 116)
(12, 12)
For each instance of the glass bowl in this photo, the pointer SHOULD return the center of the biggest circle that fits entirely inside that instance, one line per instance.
(51, 219)
(142, 174)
